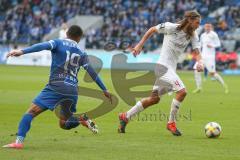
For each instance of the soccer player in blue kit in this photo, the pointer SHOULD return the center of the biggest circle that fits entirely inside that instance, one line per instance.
(62, 89)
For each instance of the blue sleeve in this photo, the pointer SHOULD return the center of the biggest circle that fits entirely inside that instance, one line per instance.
(92, 73)
(40, 46)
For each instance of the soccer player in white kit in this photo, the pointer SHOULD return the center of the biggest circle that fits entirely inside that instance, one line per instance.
(209, 42)
(176, 38)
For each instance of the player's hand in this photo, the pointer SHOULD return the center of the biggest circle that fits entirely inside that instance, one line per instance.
(15, 53)
(200, 66)
(108, 95)
(209, 46)
(136, 50)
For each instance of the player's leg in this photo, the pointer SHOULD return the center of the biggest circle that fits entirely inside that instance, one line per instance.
(198, 80)
(75, 120)
(160, 87)
(175, 106)
(212, 72)
(181, 93)
(220, 80)
(25, 125)
(139, 107)
(205, 74)
(64, 112)
(143, 104)
(68, 120)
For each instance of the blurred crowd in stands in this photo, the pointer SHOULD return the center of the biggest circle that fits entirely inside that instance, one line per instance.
(28, 21)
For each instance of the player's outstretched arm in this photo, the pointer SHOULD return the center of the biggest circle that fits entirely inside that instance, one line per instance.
(137, 49)
(98, 81)
(34, 48)
(39, 47)
(15, 53)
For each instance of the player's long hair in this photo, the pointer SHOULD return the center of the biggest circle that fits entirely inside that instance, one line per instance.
(188, 16)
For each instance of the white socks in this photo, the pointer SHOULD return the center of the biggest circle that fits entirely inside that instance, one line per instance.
(138, 108)
(174, 109)
(19, 139)
(135, 110)
(219, 78)
(198, 79)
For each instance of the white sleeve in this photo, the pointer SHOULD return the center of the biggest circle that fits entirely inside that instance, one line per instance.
(201, 41)
(216, 41)
(195, 41)
(166, 27)
(53, 44)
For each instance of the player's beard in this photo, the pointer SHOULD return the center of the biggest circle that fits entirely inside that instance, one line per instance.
(189, 30)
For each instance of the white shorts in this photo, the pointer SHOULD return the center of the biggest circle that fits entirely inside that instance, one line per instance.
(167, 80)
(209, 64)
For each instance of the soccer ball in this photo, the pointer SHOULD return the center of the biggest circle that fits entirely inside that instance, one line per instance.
(213, 130)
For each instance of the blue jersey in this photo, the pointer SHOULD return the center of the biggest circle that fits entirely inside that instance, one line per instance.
(67, 58)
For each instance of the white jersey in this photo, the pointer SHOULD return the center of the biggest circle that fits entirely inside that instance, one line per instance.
(212, 39)
(174, 44)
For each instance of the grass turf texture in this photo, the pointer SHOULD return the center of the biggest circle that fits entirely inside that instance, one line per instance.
(145, 139)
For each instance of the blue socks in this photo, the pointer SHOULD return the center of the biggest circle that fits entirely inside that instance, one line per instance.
(205, 72)
(24, 127)
(72, 122)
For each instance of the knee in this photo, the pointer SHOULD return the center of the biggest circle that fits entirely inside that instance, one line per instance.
(183, 94)
(34, 110)
(70, 123)
(155, 99)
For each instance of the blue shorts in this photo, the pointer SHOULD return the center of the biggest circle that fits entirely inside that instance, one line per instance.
(50, 99)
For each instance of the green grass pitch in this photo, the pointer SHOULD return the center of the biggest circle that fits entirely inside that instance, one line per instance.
(145, 139)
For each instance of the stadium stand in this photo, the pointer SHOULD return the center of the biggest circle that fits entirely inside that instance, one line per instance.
(24, 21)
